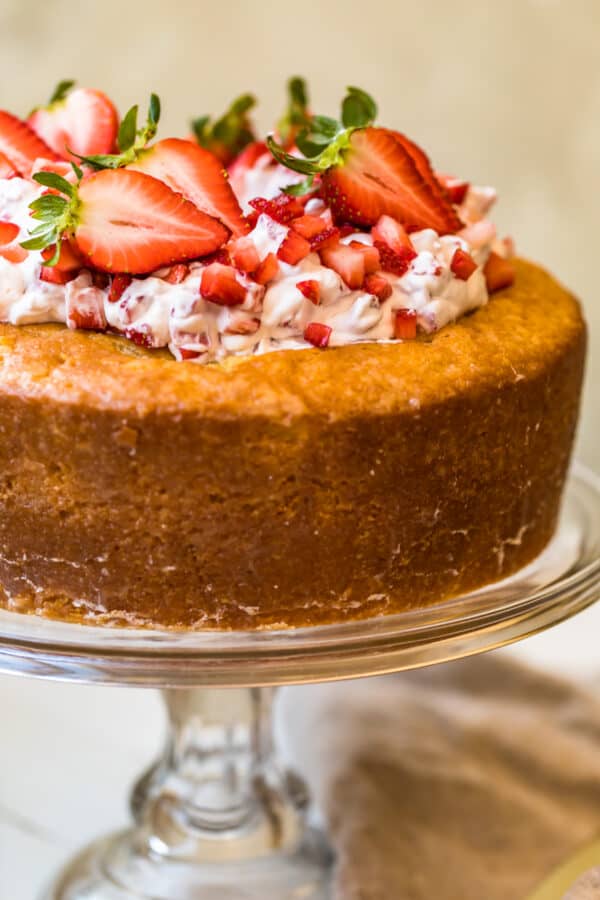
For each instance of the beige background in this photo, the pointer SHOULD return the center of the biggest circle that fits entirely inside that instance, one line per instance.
(506, 93)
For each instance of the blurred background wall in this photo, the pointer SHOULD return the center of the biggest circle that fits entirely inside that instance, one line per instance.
(501, 93)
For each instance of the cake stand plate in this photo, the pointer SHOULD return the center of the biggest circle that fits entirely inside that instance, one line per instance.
(217, 816)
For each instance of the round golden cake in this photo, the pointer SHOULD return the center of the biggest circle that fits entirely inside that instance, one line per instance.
(291, 488)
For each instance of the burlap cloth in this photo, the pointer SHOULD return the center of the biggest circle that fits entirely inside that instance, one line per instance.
(466, 781)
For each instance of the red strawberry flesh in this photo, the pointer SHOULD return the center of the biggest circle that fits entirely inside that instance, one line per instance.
(21, 145)
(84, 122)
(317, 334)
(462, 265)
(219, 285)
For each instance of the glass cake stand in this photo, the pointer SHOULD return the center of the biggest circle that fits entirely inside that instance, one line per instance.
(217, 817)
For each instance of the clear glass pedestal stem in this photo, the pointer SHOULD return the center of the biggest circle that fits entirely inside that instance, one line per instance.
(216, 818)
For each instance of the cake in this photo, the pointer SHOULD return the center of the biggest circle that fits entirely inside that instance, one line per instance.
(270, 408)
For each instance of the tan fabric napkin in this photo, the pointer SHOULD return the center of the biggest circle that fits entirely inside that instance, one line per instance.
(466, 781)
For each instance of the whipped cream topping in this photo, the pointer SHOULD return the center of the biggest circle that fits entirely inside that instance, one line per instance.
(156, 313)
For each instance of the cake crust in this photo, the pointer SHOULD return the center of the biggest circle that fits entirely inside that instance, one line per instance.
(292, 488)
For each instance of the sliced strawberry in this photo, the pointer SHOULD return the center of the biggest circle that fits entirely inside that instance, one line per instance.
(85, 308)
(282, 209)
(380, 177)
(118, 286)
(425, 170)
(219, 285)
(268, 269)
(293, 249)
(56, 276)
(311, 290)
(194, 172)
(309, 226)
(317, 334)
(20, 144)
(499, 273)
(177, 273)
(463, 265)
(244, 254)
(399, 262)
(7, 170)
(405, 324)
(133, 223)
(347, 262)
(370, 256)
(454, 187)
(379, 286)
(8, 233)
(84, 122)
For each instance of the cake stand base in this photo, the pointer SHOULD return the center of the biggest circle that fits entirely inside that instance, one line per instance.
(217, 818)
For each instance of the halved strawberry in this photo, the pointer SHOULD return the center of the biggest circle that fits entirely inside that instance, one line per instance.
(454, 187)
(197, 174)
(7, 170)
(425, 170)
(83, 121)
(405, 324)
(347, 262)
(378, 176)
(311, 289)
(268, 269)
(219, 285)
(8, 233)
(293, 249)
(499, 273)
(20, 144)
(118, 286)
(244, 254)
(462, 265)
(318, 334)
(309, 226)
(129, 222)
(379, 286)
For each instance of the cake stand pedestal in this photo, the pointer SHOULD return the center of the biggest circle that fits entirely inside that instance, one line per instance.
(217, 817)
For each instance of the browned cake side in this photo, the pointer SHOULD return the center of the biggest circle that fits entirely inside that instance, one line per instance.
(286, 489)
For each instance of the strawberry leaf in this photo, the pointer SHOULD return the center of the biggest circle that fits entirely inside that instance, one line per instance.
(131, 140)
(128, 130)
(296, 116)
(228, 135)
(295, 163)
(358, 109)
(52, 180)
(154, 111)
(300, 189)
(61, 90)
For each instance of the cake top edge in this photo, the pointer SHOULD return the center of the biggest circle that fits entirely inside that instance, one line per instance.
(328, 232)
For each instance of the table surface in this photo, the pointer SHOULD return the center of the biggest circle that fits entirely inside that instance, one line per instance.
(69, 754)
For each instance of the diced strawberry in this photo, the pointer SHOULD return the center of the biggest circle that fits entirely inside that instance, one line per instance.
(463, 265)
(189, 354)
(70, 260)
(177, 273)
(118, 286)
(347, 262)
(8, 233)
(140, 336)
(379, 286)
(244, 254)
(325, 238)
(311, 290)
(317, 334)
(219, 285)
(194, 172)
(398, 263)
(84, 121)
(499, 273)
(20, 145)
(379, 176)
(101, 280)
(405, 324)
(282, 209)
(309, 226)
(54, 275)
(293, 249)
(7, 170)
(85, 309)
(241, 323)
(370, 256)
(15, 254)
(454, 187)
(131, 222)
(267, 270)
(391, 232)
